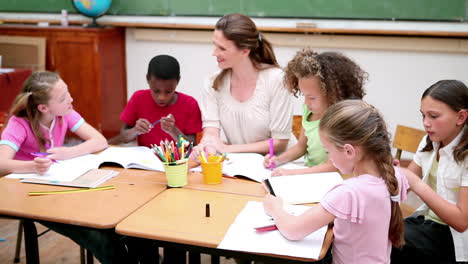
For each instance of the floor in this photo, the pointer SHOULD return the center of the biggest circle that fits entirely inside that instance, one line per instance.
(53, 248)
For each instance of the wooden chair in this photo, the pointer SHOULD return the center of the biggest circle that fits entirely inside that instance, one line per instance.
(3, 119)
(297, 125)
(407, 139)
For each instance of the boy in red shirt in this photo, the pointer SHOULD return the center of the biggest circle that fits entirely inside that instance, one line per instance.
(177, 113)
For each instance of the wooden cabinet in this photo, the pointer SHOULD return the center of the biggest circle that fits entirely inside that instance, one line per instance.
(92, 63)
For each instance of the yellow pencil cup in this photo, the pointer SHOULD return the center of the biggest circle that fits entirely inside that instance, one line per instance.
(212, 172)
(176, 174)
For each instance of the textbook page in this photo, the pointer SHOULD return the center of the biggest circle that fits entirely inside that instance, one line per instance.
(248, 165)
(90, 179)
(241, 235)
(304, 188)
(132, 158)
(64, 170)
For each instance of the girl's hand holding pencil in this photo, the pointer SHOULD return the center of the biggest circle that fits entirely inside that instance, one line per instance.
(41, 165)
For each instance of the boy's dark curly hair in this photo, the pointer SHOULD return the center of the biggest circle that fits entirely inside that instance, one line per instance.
(340, 77)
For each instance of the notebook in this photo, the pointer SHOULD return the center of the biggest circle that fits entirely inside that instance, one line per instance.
(304, 188)
(248, 165)
(90, 179)
(241, 235)
(69, 170)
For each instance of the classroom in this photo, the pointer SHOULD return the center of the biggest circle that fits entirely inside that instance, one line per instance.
(404, 46)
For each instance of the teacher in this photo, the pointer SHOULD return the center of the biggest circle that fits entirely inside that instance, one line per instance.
(245, 103)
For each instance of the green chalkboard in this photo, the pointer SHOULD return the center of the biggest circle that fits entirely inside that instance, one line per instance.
(435, 10)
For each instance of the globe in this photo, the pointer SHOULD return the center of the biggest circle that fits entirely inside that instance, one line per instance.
(92, 8)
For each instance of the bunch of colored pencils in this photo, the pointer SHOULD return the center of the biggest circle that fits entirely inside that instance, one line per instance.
(173, 153)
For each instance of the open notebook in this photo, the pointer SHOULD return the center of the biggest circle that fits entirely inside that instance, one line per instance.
(304, 188)
(69, 170)
(241, 235)
(248, 165)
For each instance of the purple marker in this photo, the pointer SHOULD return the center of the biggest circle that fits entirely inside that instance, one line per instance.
(272, 152)
(42, 155)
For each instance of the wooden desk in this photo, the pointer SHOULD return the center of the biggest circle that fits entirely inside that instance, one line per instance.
(195, 181)
(178, 216)
(96, 209)
(10, 86)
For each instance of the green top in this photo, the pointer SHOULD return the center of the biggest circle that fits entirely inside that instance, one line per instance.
(433, 183)
(315, 154)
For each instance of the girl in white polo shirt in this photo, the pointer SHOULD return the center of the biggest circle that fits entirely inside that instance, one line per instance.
(438, 232)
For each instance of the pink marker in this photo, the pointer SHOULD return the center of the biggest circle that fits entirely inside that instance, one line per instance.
(266, 228)
(272, 153)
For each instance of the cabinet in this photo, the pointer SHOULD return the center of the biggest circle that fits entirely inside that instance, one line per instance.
(92, 63)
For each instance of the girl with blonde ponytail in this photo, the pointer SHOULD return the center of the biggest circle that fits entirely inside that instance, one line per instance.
(365, 208)
(39, 119)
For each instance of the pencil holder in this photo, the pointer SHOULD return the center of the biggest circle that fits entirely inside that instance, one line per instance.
(212, 172)
(176, 174)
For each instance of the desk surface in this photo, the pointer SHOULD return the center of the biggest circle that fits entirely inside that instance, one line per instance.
(178, 215)
(195, 181)
(97, 209)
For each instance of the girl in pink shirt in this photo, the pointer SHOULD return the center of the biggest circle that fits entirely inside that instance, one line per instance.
(39, 119)
(365, 208)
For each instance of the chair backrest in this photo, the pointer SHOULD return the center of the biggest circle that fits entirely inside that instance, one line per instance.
(407, 139)
(297, 125)
(3, 119)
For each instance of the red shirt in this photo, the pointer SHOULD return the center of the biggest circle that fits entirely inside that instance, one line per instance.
(185, 111)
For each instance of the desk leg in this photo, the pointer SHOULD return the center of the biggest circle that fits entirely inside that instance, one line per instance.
(30, 242)
(194, 257)
(215, 259)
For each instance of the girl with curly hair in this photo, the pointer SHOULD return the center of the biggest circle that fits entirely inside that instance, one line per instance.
(323, 79)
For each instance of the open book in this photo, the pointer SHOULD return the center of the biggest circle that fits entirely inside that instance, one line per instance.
(304, 188)
(241, 235)
(90, 179)
(69, 170)
(248, 165)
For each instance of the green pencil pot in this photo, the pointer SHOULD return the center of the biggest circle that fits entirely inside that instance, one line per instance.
(176, 174)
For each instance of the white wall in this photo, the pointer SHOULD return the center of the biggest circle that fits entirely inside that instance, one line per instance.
(400, 68)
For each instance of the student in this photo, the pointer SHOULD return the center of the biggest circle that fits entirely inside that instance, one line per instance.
(245, 103)
(323, 79)
(178, 113)
(438, 231)
(39, 119)
(365, 208)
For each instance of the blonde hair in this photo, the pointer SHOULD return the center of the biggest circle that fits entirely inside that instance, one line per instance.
(358, 123)
(340, 77)
(241, 30)
(35, 91)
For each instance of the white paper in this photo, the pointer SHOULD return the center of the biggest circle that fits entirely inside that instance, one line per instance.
(63, 170)
(69, 170)
(242, 236)
(304, 188)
